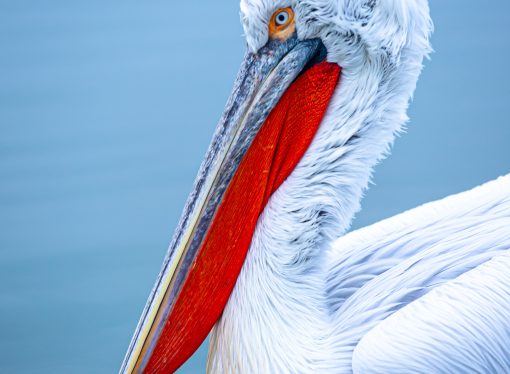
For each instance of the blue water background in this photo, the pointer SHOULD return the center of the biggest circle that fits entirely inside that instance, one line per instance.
(106, 109)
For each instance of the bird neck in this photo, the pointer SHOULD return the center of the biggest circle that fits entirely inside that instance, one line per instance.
(278, 316)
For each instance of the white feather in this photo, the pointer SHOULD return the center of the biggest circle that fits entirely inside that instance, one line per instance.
(461, 326)
(402, 259)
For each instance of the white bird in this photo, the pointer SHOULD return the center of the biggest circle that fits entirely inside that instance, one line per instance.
(261, 256)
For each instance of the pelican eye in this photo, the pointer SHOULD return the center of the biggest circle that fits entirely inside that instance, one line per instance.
(281, 25)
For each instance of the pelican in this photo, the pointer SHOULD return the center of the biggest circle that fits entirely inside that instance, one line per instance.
(261, 259)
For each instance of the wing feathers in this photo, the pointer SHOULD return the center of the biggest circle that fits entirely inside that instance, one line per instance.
(377, 271)
(364, 254)
(463, 325)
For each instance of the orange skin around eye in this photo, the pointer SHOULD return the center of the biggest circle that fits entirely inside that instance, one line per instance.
(282, 32)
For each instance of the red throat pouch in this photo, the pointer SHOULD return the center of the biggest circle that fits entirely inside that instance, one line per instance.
(276, 150)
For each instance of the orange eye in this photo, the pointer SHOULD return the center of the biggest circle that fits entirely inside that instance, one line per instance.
(281, 25)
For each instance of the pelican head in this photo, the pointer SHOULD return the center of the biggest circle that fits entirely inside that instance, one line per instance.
(324, 83)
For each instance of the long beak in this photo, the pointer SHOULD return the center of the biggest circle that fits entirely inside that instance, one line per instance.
(212, 239)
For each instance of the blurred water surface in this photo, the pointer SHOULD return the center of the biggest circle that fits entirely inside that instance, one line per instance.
(106, 109)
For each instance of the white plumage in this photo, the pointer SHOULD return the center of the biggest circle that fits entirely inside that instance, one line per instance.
(381, 276)
(425, 291)
(459, 326)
